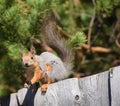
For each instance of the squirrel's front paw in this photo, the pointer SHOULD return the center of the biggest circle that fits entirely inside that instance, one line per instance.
(26, 85)
(44, 87)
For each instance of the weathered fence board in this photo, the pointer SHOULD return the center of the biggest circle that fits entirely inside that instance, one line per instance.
(62, 93)
(13, 100)
(97, 90)
(115, 86)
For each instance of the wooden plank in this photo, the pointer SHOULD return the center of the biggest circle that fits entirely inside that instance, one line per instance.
(21, 95)
(26, 95)
(13, 100)
(115, 86)
(20, 98)
(95, 90)
(88, 91)
(62, 93)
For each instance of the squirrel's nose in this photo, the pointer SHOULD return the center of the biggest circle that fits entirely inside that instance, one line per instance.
(26, 64)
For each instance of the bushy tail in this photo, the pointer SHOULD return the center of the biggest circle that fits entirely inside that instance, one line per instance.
(55, 41)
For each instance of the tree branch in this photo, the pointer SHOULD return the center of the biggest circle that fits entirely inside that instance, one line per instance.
(91, 25)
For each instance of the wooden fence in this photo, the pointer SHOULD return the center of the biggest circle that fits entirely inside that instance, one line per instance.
(102, 89)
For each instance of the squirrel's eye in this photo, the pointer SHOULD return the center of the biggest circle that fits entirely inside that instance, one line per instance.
(31, 57)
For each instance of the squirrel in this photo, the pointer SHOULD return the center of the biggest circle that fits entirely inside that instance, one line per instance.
(48, 67)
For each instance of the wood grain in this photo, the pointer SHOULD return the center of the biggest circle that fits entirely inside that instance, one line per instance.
(102, 89)
(115, 86)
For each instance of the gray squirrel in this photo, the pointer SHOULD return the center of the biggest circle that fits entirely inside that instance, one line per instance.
(48, 67)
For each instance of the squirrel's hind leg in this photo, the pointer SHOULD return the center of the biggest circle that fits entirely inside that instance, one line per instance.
(45, 86)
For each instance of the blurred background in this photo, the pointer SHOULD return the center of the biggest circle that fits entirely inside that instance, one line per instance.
(94, 24)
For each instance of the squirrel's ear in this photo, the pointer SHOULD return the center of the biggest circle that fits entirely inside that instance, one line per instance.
(32, 51)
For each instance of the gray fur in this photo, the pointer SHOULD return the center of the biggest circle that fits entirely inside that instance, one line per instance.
(54, 40)
(58, 71)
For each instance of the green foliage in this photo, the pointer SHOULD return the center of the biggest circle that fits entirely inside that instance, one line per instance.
(106, 6)
(12, 50)
(77, 40)
(19, 19)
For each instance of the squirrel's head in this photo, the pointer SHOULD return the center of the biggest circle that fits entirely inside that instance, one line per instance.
(28, 59)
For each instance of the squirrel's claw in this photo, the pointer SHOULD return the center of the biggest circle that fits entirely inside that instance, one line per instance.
(26, 85)
(44, 87)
